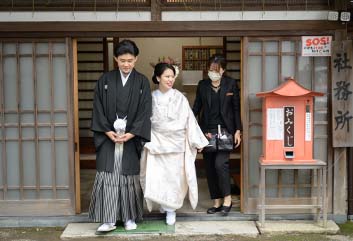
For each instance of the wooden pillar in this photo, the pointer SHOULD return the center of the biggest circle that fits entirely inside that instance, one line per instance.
(105, 55)
(350, 180)
(340, 205)
(115, 43)
(156, 14)
(76, 129)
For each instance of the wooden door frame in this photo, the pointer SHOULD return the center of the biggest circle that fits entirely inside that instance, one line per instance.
(73, 30)
(76, 124)
(178, 29)
(76, 128)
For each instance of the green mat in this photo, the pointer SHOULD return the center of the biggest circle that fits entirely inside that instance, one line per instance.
(152, 226)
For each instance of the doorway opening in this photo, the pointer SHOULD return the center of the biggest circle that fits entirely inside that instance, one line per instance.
(95, 56)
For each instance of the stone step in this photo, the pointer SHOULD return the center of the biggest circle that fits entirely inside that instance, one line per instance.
(149, 228)
(158, 227)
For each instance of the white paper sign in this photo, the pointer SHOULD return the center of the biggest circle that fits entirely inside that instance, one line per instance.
(316, 45)
(307, 126)
(275, 124)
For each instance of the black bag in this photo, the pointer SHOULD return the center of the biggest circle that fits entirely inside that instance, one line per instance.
(221, 140)
(225, 141)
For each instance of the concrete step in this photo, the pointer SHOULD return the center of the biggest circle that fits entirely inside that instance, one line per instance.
(284, 226)
(158, 227)
(149, 228)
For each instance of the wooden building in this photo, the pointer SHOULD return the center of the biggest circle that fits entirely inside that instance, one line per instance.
(52, 52)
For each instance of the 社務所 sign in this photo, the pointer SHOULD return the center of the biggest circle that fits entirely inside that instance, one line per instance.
(316, 45)
(342, 93)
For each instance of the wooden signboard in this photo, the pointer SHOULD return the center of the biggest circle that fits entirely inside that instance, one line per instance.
(342, 97)
(289, 126)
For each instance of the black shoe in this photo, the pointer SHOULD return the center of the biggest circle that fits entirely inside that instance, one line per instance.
(214, 210)
(226, 209)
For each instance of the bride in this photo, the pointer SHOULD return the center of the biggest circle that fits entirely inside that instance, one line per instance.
(167, 162)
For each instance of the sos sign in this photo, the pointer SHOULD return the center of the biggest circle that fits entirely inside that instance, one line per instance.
(316, 45)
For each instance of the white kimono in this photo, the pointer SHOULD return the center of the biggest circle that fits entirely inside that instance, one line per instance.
(167, 162)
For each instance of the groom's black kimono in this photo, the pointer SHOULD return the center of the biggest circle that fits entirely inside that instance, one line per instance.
(138, 120)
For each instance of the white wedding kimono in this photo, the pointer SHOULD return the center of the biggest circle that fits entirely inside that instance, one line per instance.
(167, 162)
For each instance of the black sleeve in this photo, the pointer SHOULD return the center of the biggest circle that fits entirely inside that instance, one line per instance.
(236, 107)
(99, 119)
(99, 124)
(198, 102)
(141, 126)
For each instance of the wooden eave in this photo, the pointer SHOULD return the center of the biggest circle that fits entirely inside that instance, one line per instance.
(161, 28)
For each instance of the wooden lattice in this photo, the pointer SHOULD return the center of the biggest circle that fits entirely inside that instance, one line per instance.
(112, 5)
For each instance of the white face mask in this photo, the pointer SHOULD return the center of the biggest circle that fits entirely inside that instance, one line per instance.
(214, 76)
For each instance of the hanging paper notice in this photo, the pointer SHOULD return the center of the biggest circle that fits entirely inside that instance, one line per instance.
(316, 45)
(307, 126)
(274, 124)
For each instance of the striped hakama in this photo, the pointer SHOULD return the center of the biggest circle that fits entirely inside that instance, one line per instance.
(116, 197)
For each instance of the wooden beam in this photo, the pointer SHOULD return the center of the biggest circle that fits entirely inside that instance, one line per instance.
(167, 29)
(168, 26)
(156, 34)
(34, 208)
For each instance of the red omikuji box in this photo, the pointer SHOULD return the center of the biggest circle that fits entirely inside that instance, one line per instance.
(288, 123)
